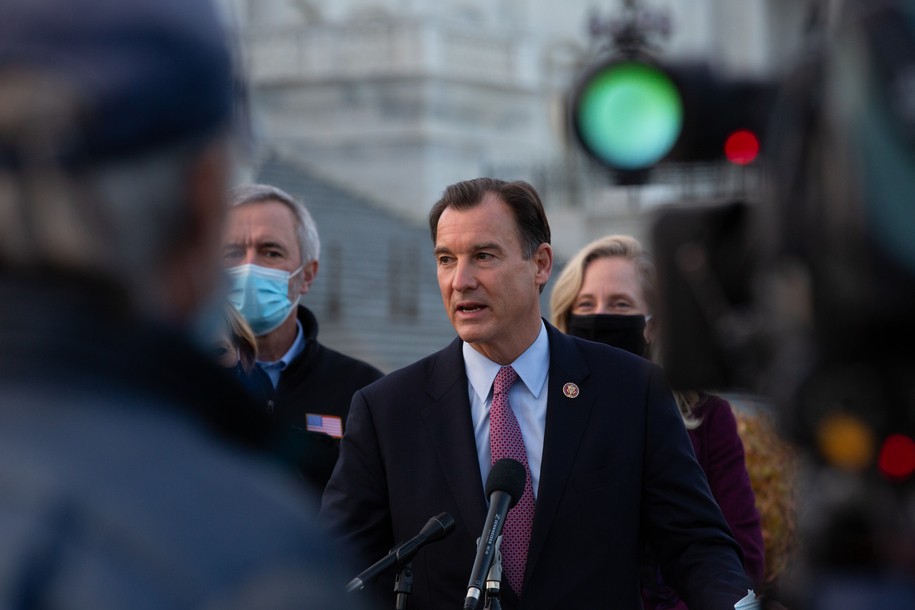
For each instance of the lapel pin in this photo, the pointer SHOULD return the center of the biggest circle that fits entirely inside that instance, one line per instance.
(570, 390)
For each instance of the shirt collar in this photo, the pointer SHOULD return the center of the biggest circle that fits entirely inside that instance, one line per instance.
(294, 350)
(532, 366)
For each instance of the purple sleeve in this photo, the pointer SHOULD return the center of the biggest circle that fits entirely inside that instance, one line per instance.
(722, 458)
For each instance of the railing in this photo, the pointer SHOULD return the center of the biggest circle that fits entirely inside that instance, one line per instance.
(383, 48)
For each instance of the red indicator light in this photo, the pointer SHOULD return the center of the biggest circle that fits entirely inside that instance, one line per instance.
(897, 457)
(741, 147)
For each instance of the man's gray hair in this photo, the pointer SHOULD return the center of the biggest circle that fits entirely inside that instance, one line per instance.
(120, 219)
(306, 230)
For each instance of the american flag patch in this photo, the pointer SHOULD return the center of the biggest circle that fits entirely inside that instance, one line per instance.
(330, 425)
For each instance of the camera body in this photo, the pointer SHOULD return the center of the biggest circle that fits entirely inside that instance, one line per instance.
(807, 295)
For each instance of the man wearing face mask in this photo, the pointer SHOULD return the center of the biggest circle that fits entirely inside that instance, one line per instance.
(606, 293)
(271, 249)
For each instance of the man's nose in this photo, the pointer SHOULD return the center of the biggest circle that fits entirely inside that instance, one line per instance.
(464, 276)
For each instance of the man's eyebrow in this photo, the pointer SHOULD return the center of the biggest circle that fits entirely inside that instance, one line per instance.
(488, 245)
(271, 244)
(241, 243)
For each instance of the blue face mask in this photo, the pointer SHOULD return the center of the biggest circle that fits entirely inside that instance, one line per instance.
(261, 295)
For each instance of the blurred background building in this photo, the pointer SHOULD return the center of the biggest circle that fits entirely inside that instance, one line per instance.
(367, 109)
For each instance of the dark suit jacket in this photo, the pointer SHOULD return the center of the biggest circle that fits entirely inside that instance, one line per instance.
(617, 466)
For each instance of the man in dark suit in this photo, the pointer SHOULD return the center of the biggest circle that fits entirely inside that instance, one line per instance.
(609, 461)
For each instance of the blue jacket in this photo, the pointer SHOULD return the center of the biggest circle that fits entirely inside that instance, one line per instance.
(132, 472)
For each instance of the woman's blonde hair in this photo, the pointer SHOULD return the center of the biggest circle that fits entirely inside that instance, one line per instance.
(242, 336)
(567, 287)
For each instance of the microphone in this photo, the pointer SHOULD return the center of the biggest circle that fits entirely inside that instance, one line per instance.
(435, 528)
(504, 487)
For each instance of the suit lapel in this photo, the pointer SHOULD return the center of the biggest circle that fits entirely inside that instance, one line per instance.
(566, 422)
(448, 421)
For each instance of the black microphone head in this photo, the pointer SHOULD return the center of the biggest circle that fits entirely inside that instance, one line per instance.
(507, 475)
(438, 527)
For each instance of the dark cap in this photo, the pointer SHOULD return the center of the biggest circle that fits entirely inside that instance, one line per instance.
(148, 73)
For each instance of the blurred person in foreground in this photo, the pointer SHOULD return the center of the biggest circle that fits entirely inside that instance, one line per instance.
(607, 459)
(271, 250)
(132, 471)
(607, 293)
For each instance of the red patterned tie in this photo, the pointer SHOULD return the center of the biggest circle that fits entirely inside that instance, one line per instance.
(506, 442)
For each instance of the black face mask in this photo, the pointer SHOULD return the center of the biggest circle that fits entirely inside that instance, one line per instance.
(624, 332)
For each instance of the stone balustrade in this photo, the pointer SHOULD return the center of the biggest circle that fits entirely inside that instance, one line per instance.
(437, 49)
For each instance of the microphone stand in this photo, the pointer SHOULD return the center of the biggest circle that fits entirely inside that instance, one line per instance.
(494, 579)
(403, 585)
(400, 557)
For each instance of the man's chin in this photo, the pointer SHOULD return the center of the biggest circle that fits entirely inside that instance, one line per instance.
(469, 332)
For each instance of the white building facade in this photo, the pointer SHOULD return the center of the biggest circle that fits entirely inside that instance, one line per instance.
(395, 99)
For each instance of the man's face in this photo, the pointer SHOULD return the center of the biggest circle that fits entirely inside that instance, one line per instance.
(491, 293)
(264, 234)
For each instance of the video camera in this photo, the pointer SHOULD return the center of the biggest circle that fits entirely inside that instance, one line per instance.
(805, 295)
(632, 111)
(808, 294)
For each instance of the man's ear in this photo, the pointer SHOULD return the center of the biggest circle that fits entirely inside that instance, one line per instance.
(207, 188)
(192, 273)
(309, 272)
(543, 258)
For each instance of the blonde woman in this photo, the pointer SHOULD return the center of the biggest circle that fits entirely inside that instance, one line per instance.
(607, 293)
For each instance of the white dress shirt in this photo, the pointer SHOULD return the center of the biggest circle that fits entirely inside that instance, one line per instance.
(527, 398)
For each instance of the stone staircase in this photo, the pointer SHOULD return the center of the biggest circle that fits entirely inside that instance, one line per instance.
(376, 296)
